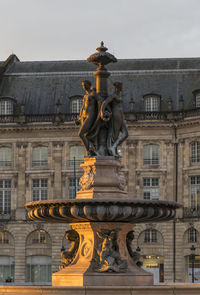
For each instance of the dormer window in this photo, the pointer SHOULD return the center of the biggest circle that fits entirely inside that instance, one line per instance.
(76, 103)
(197, 100)
(152, 103)
(6, 106)
(196, 97)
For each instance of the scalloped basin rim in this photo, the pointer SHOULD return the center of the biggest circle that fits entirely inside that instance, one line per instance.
(104, 201)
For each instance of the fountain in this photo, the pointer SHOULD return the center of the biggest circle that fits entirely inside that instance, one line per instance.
(102, 216)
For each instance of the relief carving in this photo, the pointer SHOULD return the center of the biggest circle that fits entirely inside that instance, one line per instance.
(87, 180)
(108, 258)
(68, 256)
(122, 181)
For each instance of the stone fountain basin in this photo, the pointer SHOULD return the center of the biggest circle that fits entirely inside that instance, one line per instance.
(93, 210)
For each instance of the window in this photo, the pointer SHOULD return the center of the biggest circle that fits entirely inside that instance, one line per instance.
(197, 100)
(150, 154)
(195, 192)
(40, 189)
(192, 235)
(150, 236)
(5, 196)
(76, 153)
(72, 188)
(39, 237)
(5, 157)
(38, 269)
(40, 156)
(76, 104)
(195, 152)
(6, 107)
(152, 103)
(6, 268)
(4, 239)
(151, 188)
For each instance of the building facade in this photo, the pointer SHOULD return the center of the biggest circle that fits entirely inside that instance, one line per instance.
(40, 154)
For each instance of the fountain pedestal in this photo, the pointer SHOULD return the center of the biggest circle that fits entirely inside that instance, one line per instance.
(102, 258)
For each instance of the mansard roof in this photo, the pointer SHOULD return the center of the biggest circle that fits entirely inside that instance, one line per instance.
(39, 84)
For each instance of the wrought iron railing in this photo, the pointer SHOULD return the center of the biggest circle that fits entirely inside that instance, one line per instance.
(77, 163)
(40, 163)
(5, 216)
(189, 212)
(5, 164)
(70, 117)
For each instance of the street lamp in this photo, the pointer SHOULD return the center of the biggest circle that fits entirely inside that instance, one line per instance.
(193, 256)
(138, 263)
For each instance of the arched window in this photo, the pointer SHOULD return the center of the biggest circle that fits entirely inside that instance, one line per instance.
(38, 269)
(192, 235)
(77, 153)
(151, 154)
(76, 103)
(152, 103)
(40, 156)
(150, 236)
(5, 157)
(39, 236)
(7, 269)
(195, 152)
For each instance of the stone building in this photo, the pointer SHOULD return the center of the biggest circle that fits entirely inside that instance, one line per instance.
(40, 154)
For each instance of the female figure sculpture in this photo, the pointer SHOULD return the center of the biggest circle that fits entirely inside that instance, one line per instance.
(117, 131)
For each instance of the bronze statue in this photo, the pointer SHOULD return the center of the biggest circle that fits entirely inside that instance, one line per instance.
(87, 117)
(117, 124)
(103, 127)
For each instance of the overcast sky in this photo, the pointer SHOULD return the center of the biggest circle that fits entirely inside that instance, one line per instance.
(72, 29)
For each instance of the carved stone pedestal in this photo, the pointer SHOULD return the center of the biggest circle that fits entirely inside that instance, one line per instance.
(100, 256)
(102, 178)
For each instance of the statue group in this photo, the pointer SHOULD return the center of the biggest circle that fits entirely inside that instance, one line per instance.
(103, 127)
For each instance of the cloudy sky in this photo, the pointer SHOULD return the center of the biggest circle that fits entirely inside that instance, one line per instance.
(72, 29)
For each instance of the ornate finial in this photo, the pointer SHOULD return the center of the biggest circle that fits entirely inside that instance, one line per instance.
(102, 48)
(102, 58)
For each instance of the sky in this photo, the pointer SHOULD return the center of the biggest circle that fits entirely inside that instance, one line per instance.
(73, 29)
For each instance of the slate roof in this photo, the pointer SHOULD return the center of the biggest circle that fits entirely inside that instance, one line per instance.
(39, 84)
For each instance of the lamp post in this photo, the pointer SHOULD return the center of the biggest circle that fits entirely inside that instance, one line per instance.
(193, 256)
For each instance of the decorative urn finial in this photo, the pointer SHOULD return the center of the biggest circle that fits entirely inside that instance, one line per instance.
(101, 58)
